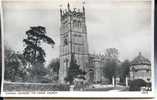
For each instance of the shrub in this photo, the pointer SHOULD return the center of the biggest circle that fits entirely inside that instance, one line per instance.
(135, 85)
(35, 87)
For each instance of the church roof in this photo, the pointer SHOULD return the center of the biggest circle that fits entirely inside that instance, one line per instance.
(140, 59)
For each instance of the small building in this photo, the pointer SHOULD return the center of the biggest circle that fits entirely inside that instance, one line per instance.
(140, 68)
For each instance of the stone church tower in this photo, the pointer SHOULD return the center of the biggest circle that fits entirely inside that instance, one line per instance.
(73, 40)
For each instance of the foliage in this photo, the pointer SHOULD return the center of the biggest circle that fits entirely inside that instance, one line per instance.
(73, 71)
(112, 53)
(39, 69)
(37, 73)
(54, 65)
(135, 85)
(124, 70)
(110, 69)
(33, 52)
(53, 69)
(14, 66)
(111, 66)
(35, 87)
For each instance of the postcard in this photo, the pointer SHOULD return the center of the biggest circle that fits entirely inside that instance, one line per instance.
(77, 48)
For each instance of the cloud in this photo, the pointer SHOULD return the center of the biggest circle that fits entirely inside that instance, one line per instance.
(125, 25)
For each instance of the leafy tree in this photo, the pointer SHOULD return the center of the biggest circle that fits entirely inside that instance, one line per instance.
(34, 53)
(74, 71)
(54, 65)
(112, 53)
(8, 69)
(53, 68)
(110, 69)
(111, 65)
(124, 70)
(14, 66)
(38, 72)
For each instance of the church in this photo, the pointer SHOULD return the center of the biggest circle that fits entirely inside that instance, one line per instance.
(74, 43)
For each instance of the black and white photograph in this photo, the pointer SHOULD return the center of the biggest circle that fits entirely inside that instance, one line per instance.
(77, 48)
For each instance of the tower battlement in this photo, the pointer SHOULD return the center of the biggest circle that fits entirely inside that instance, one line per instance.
(75, 12)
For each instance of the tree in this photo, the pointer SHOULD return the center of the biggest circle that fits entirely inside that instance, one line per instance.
(38, 72)
(112, 63)
(54, 65)
(110, 69)
(124, 70)
(33, 52)
(53, 69)
(112, 53)
(14, 66)
(10, 67)
(74, 71)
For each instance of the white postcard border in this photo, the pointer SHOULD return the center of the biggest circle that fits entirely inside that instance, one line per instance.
(74, 93)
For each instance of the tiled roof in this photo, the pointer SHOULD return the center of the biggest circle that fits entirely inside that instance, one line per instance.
(140, 60)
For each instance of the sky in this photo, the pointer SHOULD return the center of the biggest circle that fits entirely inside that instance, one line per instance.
(122, 24)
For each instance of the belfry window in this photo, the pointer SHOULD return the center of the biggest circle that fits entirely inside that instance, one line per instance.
(65, 42)
(76, 24)
(79, 24)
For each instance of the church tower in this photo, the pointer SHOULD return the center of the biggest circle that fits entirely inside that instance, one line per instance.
(73, 40)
